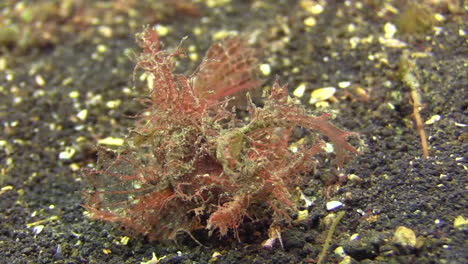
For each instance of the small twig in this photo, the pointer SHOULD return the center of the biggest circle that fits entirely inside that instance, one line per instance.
(191, 236)
(408, 75)
(332, 229)
(415, 96)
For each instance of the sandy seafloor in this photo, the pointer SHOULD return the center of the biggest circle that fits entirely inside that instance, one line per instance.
(66, 82)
